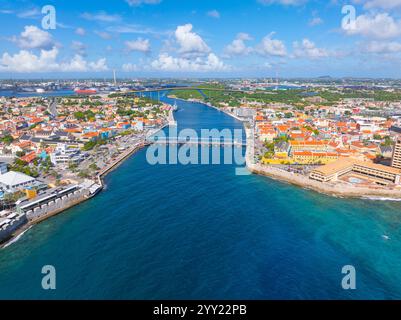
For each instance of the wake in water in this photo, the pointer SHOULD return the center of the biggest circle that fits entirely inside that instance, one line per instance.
(381, 199)
(14, 240)
(385, 237)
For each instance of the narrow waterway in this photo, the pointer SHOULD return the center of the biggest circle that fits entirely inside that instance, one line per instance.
(201, 231)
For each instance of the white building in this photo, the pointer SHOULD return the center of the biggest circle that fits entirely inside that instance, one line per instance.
(137, 126)
(63, 155)
(12, 181)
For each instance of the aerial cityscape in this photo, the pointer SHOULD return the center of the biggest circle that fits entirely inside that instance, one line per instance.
(160, 149)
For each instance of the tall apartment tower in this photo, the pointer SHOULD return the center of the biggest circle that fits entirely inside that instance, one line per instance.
(396, 161)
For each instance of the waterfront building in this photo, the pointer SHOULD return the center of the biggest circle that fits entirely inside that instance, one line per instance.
(12, 181)
(377, 173)
(54, 200)
(310, 157)
(9, 223)
(396, 161)
(308, 145)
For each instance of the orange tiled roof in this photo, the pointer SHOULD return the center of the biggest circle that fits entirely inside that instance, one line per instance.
(90, 134)
(315, 154)
(73, 130)
(309, 143)
(29, 157)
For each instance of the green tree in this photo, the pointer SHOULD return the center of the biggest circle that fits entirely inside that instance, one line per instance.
(7, 139)
(377, 137)
(79, 115)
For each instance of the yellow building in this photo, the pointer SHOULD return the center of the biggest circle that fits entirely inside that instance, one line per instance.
(277, 161)
(308, 145)
(310, 157)
(30, 193)
(281, 154)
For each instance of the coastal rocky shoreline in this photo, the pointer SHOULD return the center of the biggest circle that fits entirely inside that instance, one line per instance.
(340, 190)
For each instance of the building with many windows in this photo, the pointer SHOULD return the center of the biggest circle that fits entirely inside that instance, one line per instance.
(380, 174)
(12, 181)
(396, 160)
(64, 155)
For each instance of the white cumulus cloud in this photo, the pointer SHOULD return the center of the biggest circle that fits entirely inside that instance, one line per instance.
(190, 42)
(271, 47)
(381, 26)
(140, 45)
(238, 46)
(46, 61)
(382, 47)
(211, 63)
(34, 38)
(308, 49)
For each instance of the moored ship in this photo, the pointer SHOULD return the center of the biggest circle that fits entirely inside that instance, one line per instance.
(85, 91)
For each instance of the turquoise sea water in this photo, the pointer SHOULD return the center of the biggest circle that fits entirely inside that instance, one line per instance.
(201, 232)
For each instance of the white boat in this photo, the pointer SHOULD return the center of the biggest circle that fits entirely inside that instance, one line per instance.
(175, 107)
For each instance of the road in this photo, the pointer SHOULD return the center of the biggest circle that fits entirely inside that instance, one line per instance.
(53, 108)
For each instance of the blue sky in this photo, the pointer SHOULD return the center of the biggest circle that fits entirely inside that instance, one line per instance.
(207, 38)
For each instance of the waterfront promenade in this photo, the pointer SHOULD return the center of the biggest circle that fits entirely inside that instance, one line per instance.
(116, 162)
